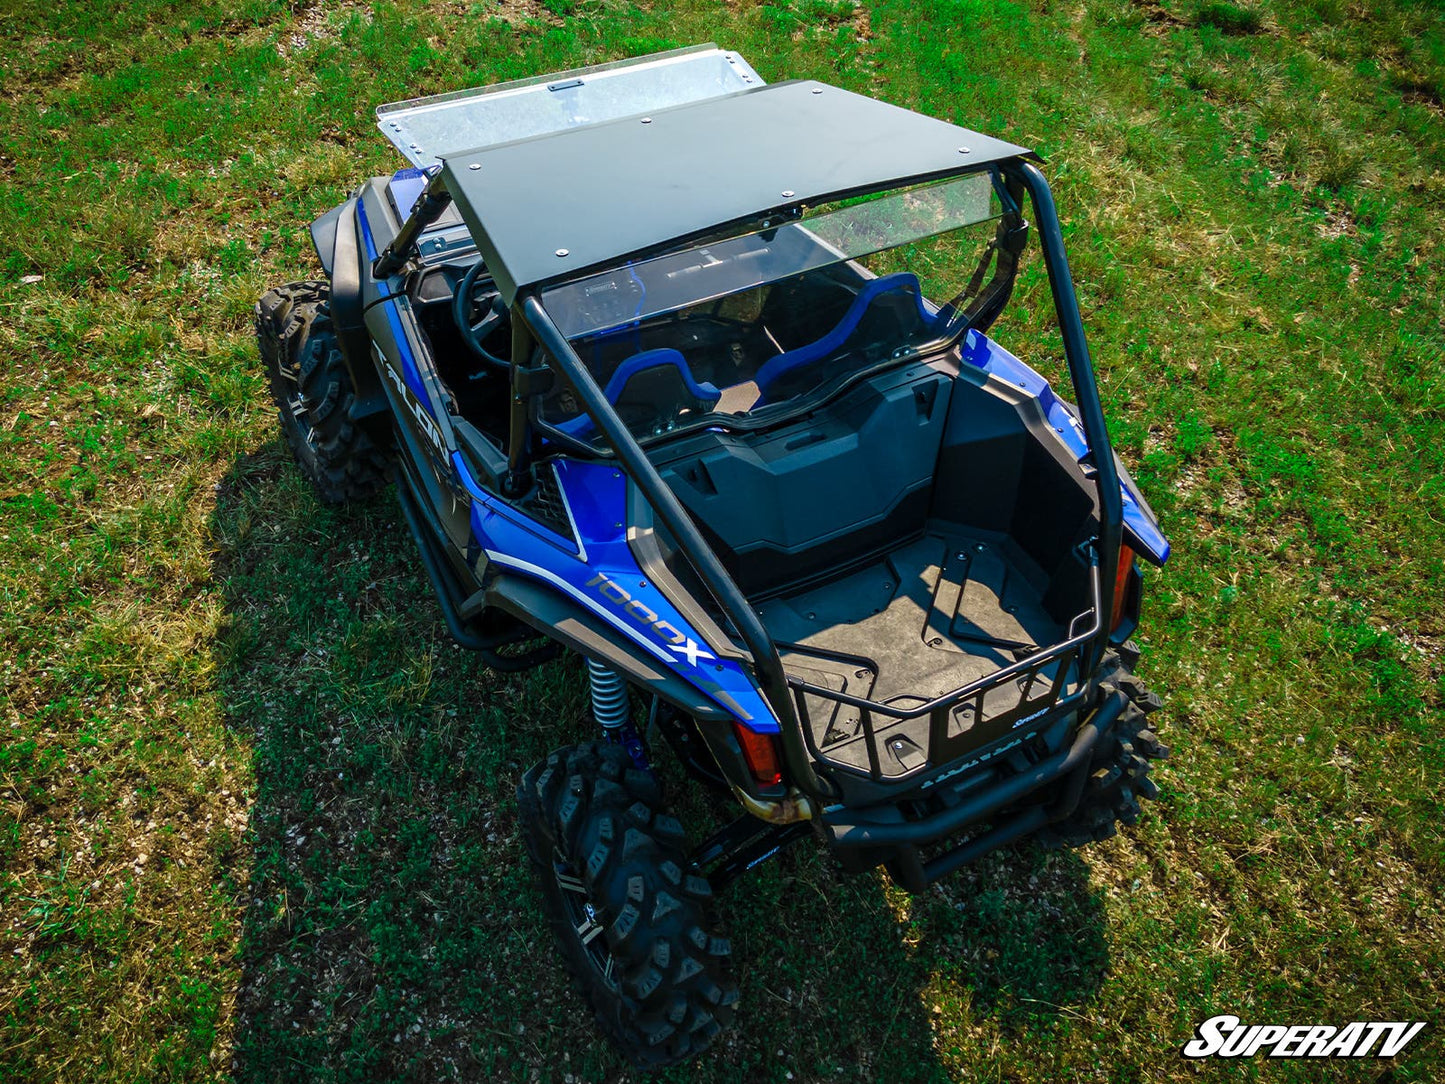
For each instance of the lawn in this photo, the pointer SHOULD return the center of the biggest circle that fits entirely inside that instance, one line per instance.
(256, 816)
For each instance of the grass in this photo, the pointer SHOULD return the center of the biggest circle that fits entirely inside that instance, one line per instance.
(255, 813)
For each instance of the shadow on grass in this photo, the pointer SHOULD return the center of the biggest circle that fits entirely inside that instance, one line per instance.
(393, 931)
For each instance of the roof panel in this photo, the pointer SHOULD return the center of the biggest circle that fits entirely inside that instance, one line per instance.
(549, 207)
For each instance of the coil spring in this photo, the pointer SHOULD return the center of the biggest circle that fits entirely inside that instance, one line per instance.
(609, 695)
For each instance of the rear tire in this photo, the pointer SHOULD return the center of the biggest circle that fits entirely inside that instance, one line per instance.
(1119, 775)
(312, 389)
(630, 915)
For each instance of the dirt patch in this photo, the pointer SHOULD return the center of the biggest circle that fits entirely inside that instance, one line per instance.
(514, 12)
(1339, 222)
(856, 18)
(1159, 18)
(1426, 96)
(316, 24)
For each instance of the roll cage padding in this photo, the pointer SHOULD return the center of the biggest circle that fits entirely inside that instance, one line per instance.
(653, 376)
(780, 367)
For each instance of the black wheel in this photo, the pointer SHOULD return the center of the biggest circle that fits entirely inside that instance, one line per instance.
(1119, 776)
(313, 393)
(631, 917)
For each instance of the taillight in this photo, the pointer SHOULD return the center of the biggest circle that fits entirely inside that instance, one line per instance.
(1121, 585)
(761, 753)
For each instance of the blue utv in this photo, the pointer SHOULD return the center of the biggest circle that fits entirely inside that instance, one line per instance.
(692, 375)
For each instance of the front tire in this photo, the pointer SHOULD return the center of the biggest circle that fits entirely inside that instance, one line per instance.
(312, 389)
(630, 915)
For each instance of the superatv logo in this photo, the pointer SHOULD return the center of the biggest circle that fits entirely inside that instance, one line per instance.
(671, 638)
(1227, 1037)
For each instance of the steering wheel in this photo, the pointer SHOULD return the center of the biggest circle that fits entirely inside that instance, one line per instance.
(493, 315)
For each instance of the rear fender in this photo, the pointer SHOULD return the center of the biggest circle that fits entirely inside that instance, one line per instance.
(597, 573)
(555, 614)
(551, 612)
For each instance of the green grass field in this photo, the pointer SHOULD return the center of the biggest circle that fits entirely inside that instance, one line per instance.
(256, 814)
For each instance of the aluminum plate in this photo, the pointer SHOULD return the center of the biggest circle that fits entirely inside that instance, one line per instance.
(426, 129)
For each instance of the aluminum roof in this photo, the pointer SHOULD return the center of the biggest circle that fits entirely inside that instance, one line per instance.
(426, 129)
(548, 207)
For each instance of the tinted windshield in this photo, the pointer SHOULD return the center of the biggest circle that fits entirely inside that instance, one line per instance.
(759, 324)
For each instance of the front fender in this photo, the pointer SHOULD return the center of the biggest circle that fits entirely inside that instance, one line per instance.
(323, 236)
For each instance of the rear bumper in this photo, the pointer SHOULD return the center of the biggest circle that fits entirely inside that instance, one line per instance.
(864, 837)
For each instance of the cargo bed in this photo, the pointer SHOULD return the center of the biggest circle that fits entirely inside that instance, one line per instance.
(931, 617)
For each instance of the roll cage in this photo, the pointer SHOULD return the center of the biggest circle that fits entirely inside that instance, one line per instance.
(533, 325)
(542, 354)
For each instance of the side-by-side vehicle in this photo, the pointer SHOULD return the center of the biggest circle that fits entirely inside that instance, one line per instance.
(694, 376)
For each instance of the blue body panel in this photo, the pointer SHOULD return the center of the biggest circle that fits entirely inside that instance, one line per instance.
(409, 371)
(600, 573)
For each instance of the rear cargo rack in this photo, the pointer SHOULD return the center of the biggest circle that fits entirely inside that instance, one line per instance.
(960, 722)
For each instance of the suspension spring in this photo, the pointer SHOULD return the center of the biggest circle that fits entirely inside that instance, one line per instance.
(609, 695)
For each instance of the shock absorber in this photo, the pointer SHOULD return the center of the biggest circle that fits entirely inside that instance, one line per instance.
(611, 709)
(609, 695)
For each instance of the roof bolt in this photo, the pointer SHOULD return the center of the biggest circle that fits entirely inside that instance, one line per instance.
(561, 252)
(646, 120)
(817, 90)
(787, 193)
(963, 150)
(475, 165)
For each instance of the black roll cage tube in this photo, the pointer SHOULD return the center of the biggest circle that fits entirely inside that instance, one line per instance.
(531, 321)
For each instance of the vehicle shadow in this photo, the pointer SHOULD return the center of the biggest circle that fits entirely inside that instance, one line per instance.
(392, 931)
